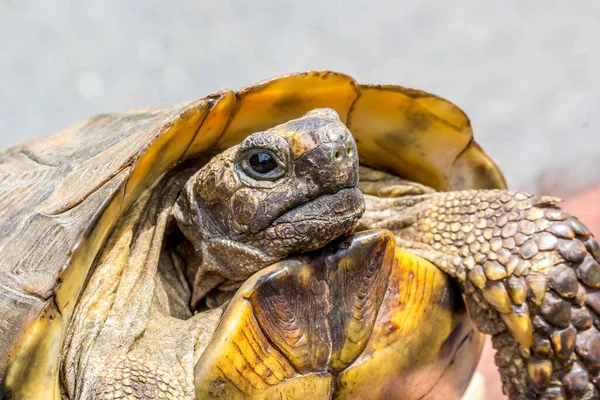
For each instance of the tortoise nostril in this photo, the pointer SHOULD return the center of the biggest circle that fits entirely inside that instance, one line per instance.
(344, 152)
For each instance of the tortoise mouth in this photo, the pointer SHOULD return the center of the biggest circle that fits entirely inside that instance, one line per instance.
(344, 203)
(311, 225)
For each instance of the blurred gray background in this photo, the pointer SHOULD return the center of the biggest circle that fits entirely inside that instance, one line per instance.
(527, 73)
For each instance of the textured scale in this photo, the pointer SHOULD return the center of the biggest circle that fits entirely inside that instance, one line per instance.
(531, 271)
(133, 378)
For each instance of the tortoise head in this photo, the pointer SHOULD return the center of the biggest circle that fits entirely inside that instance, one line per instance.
(288, 189)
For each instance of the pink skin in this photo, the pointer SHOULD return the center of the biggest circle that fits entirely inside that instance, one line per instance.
(586, 206)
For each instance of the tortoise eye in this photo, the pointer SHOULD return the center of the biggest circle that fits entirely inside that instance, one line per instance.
(262, 163)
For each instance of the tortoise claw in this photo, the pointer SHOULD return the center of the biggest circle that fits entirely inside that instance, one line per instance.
(519, 324)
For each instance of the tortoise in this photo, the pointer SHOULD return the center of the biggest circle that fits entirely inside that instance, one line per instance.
(303, 237)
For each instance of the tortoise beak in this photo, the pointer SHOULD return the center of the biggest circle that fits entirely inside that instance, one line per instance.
(339, 323)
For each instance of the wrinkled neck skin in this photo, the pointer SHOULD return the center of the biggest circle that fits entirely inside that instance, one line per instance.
(133, 314)
(215, 265)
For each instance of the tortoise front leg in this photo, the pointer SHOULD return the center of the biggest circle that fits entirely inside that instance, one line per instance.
(530, 274)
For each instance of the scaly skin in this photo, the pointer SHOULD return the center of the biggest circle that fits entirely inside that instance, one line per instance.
(530, 274)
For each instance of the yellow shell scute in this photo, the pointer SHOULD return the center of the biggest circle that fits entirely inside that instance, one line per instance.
(414, 329)
(33, 374)
(474, 169)
(417, 337)
(167, 148)
(214, 124)
(410, 133)
(240, 363)
(264, 105)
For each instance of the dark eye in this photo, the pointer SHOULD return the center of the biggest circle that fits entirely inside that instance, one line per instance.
(262, 163)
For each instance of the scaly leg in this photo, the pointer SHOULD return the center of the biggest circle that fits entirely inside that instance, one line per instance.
(530, 274)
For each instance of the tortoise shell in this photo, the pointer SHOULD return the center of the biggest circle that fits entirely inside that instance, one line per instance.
(60, 196)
